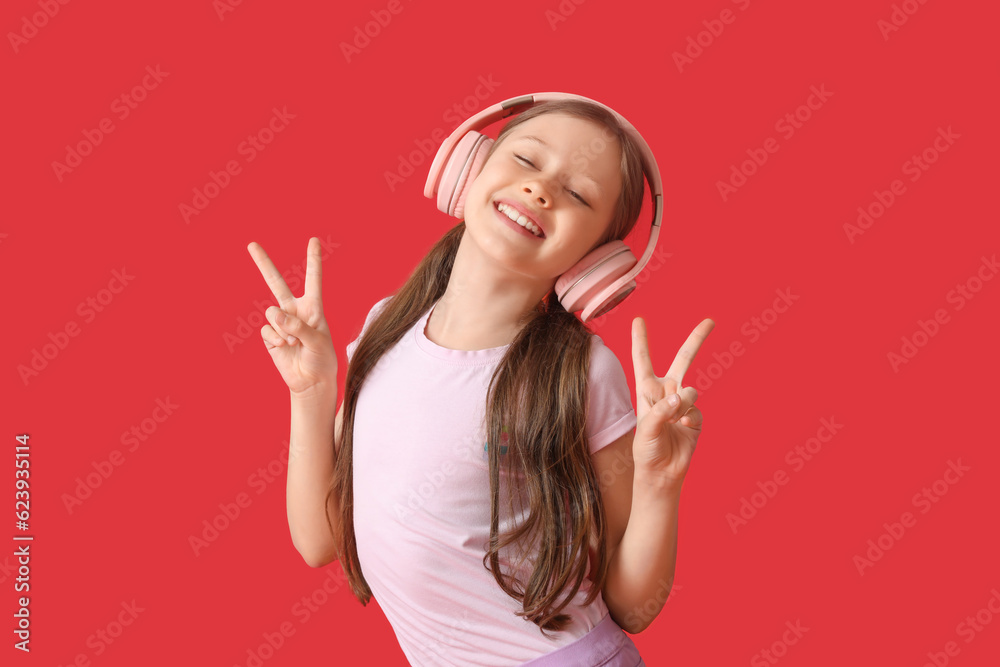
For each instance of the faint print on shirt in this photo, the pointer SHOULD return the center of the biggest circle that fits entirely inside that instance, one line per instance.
(503, 448)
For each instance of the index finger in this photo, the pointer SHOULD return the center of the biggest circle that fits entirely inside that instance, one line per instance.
(314, 269)
(690, 348)
(274, 280)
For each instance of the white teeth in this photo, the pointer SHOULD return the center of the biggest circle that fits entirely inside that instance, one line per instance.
(516, 216)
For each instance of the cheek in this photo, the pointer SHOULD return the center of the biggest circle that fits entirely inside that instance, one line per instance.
(585, 247)
(477, 200)
(479, 189)
(494, 174)
(488, 184)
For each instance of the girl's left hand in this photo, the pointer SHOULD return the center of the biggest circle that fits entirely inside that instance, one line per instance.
(665, 435)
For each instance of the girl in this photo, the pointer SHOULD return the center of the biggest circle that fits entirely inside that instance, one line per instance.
(499, 459)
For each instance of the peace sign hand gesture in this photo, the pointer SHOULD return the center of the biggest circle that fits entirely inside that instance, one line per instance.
(298, 337)
(666, 433)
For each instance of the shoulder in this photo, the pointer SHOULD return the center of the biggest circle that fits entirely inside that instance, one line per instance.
(379, 305)
(604, 363)
(610, 414)
(373, 312)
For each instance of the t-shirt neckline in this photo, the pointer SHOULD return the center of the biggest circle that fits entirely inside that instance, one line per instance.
(459, 357)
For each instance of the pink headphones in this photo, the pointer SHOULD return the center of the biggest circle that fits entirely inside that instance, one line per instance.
(605, 276)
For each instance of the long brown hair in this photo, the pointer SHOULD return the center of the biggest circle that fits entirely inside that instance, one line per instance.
(548, 361)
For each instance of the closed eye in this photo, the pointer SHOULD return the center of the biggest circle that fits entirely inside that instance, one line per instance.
(582, 200)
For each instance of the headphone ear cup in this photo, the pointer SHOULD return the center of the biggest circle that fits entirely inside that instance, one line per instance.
(579, 287)
(464, 164)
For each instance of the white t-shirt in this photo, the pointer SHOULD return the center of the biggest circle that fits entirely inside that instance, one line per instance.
(422, 501)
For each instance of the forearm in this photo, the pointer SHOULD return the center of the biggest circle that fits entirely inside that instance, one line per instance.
(310, 473)
(641, 571)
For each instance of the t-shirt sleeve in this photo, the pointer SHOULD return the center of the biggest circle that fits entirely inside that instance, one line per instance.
(372, 314)
(610, 413)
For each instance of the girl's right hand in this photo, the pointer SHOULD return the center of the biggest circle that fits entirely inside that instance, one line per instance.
(297, 336)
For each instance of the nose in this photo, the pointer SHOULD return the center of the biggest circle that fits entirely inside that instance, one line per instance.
(536, 190)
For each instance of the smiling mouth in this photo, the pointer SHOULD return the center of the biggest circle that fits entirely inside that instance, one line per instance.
(519, 219)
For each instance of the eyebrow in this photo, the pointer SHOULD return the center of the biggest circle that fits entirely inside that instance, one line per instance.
(535, 139)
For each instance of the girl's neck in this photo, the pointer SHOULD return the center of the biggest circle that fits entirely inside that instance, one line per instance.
(483, 304)
(464, 334)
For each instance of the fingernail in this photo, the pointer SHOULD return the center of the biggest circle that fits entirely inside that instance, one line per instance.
(291, 340)
(673, 399)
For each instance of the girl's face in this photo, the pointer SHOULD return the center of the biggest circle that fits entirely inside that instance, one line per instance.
(568, 186)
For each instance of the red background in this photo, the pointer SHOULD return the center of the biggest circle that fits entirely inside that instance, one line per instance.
(168, 333)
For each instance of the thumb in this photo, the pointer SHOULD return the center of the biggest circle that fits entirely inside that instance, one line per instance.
(656, 417)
